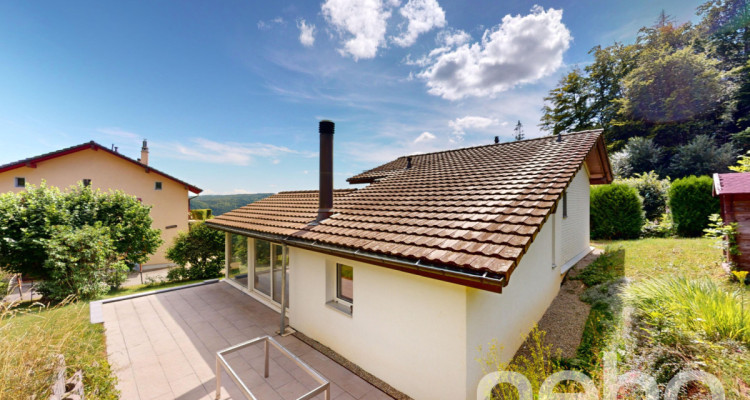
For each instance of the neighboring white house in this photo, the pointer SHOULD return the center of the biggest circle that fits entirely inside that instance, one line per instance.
(441, 253)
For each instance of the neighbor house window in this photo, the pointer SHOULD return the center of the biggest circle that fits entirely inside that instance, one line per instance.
(87, 182)
(20, 182)
(345, 283)
(157, 185)
(565, 205)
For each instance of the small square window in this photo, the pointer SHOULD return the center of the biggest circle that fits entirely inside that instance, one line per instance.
(157, 185)
(565, 205)
(345, 283)
(20, 182)
(87, 182)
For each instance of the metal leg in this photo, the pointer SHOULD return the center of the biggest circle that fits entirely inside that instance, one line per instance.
(218, 379)
(328, 392)
(265, 345)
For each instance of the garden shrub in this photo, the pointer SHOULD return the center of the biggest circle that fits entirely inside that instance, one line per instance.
(80, 262)
(199, 254)
(653, 192)
(28, 220)
(201, 214)
(662, 228)
(691, 202)
(616, 212)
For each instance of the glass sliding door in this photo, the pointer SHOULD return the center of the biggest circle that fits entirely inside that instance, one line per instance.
(262, 267)
(238, 259)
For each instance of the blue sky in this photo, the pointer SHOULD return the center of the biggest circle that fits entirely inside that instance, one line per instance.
(229, 93)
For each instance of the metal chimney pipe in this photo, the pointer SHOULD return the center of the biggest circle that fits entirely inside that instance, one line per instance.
(325, 194)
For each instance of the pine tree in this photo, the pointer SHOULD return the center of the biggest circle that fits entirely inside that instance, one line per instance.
(519, 135)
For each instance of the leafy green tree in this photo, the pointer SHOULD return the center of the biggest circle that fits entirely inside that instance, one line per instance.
(199, 253)
(28, 218)
(567, 107)
(743, 164)
(653, 192)
(726, 24)
(80, 262)
(702, 156)
(604, 78)
(671, 86)
(26, 221)
(640, 155)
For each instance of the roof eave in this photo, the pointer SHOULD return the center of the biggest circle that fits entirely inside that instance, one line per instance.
(482, 282)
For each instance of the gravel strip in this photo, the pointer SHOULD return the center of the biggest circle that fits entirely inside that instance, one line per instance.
(566, 316)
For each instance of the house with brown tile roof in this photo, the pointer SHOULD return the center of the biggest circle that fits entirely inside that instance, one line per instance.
(439, 254)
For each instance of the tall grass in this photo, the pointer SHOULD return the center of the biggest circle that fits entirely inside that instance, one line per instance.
(31, 338)
(680, 308)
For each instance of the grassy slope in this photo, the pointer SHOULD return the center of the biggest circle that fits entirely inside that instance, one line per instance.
(645, 261)
(29, 341)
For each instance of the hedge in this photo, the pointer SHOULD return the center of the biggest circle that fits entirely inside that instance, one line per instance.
(616, 212)
(691, 202)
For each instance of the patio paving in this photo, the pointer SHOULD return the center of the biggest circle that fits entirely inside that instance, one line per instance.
(164, 346)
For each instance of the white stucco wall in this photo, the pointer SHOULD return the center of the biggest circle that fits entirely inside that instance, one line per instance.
(408, 330)
(574, 232)
(508, 317)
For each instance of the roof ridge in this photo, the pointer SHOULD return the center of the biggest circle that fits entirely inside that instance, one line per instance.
(90, 144)
(496, 144)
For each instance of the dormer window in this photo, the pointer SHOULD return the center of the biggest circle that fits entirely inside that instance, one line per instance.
(20, 182)
(157, 185)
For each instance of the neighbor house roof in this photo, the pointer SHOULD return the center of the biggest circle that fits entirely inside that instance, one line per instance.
(732, 183)
(466, 212)
(33, 161)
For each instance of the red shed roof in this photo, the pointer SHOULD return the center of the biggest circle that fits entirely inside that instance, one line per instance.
(732, 183)
(33, 161)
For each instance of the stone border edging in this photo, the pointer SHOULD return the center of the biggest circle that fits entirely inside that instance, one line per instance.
(95, 307)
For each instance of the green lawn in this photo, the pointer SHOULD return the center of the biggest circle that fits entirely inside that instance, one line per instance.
(649, 258)
(684, 312)
(31, 335)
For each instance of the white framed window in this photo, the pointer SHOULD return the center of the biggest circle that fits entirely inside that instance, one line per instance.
(157, 185)
(20, 182)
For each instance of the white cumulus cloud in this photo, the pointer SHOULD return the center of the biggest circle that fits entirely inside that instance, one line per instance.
(306, 33)
(521, 49)
(453, 37)
(422, 16)
(470, 122)
(424, 137)
(361, 25)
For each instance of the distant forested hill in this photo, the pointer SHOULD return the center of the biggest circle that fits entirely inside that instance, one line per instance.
(221, 203)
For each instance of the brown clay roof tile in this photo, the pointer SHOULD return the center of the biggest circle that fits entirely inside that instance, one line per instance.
(475, 209)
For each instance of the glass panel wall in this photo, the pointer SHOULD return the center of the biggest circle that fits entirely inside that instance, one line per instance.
(238, 259)
(263, 267)
(278, 265)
